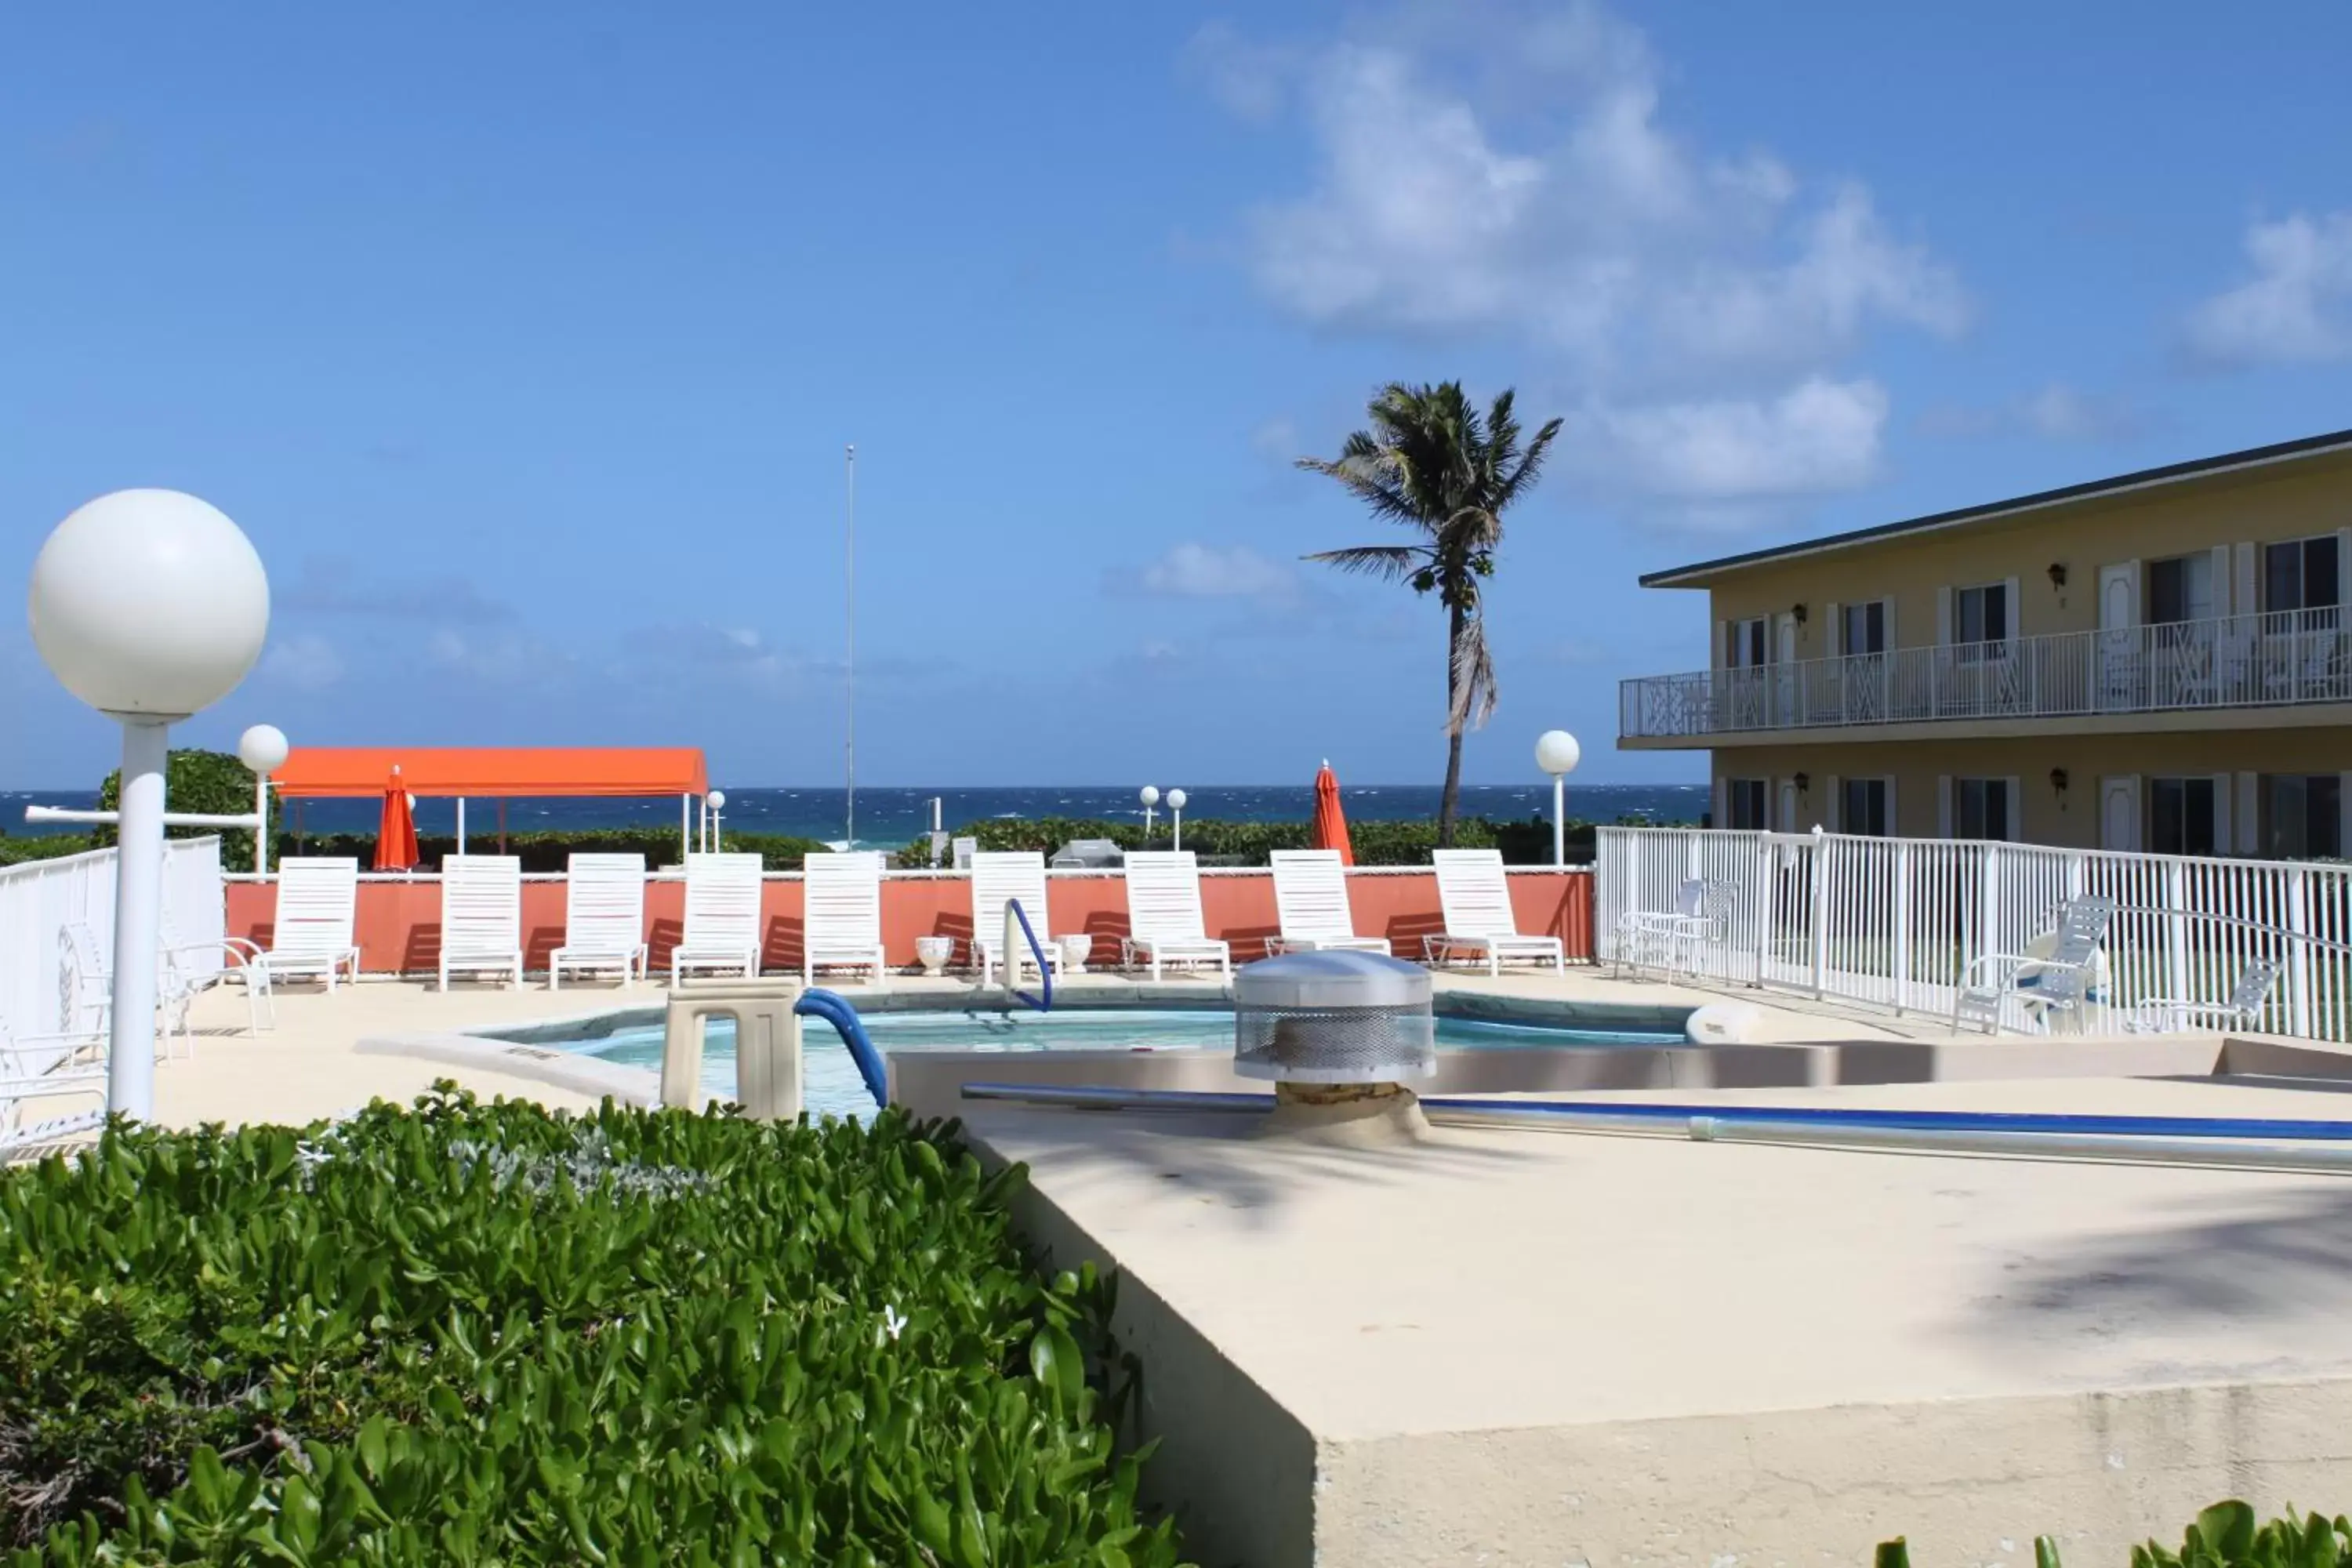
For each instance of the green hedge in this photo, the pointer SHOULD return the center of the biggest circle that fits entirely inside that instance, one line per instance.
(488, 1334)
(1375, 843)
(2224, 1536)
(547, 849)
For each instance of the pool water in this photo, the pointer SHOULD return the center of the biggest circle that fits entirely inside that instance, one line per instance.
(830, 1084)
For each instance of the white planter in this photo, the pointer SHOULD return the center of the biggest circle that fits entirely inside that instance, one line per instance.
(934, 951)
(1074, 954)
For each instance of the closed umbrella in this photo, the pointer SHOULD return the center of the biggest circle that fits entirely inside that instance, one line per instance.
(395, 833)
(1331, 822)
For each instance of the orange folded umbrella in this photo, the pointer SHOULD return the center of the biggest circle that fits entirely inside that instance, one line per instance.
(395, 833)
(1331, 822)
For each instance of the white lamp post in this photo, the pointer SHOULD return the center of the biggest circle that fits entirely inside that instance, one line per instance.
(717, 801)
(1150, 796)
(1558, 754)
(149, 606)
(263, 749)
(1176, 816)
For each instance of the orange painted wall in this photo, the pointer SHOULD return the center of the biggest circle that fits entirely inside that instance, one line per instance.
(399, 926)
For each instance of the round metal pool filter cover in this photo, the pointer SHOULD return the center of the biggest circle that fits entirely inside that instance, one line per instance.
(1333, 1017)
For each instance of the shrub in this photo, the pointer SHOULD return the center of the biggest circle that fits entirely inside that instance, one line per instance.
(42, 847)
(547, 849)
(490, 1333)
(2223, 1536)
(214, 783)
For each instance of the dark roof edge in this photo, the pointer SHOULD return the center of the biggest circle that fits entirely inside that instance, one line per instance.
(2254, 457)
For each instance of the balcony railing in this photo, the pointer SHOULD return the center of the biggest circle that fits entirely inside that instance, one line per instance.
(2236, 661)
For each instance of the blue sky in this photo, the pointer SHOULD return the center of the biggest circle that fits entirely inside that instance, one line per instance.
(524, 342)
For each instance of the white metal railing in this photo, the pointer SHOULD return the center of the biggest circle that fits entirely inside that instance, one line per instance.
(40, 898)
(1893, 921)
(2235, 661)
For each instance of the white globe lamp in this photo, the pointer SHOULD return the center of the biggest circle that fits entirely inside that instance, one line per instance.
(1176, 817)
(149, 606)
(1558, 754)
(262, 749)
(713, 803)
(1150, 796)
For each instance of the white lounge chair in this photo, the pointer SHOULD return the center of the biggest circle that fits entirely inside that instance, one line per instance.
(2243, 1010)
(1163, 913)
(184, 971)
(722, 916)
(38, 1071)
(317, 901)
(998, 877)
(604, 918)
(2054, 977)
(1310, 905)
(1475, 897)
(481, 915)
(842, 914)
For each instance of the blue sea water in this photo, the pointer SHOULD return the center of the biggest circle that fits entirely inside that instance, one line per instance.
(888, 817)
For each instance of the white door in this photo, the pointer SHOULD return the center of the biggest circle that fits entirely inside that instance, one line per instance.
(2119, 661)
(1789, 805)
(2119, 814)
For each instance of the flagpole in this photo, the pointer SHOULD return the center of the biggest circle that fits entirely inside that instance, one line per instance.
(849, 667)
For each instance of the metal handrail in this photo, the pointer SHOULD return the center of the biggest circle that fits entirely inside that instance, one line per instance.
(1044, 970)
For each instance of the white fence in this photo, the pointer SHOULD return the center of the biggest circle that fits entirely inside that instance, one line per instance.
(1893, 921)
(39, 898)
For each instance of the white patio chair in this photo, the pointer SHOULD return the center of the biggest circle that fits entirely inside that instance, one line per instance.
(722, 916)
(1163, 913)
(604, 918)
(842, 914)
(317, 902)
(1310, 905)
(184, 970)
(2241, 1010)
(36, 1070)
(1675, 941)
(998, 877)
(2053, 978)
(481, 915)
(1474, 896)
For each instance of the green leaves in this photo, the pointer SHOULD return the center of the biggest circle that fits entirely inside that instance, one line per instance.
(2223, 1536)
(477, 1333)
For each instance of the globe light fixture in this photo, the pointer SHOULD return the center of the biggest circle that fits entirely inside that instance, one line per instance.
(1176, 816)
(263, 749)
(713, 803)
(1558, 754)
(149, 605)
(1150, 796)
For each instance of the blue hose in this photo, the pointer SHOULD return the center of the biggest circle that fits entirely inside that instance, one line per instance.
(835, 1009)
(1783, 1115)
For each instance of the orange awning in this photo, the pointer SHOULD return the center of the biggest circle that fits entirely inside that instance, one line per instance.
(319, 772)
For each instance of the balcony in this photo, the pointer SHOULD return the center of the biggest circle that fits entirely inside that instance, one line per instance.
(2287, 659)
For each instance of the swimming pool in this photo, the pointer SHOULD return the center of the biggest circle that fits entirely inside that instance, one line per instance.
(830, 1085)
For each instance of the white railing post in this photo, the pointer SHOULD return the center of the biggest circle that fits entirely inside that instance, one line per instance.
(2176, 931)
(2298, 921)
(1902, 925)
(1817, 860)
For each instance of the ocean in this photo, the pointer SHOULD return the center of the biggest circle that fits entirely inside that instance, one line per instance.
(889, 817)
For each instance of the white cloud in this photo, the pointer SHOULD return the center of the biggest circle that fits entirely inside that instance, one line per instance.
(2055, 411)
(1277, 441)
(2297, 306)
(1506, 171)
(1193, 571)
(503, 656)
(305, 662)
(1721, 463)
(1590, 227)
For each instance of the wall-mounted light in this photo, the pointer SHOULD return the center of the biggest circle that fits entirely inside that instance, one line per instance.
(2057, 574)
(1805, 782)
(1798, 611)
(2058, 782)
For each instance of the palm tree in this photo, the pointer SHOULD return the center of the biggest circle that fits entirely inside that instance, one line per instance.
(1432, 463)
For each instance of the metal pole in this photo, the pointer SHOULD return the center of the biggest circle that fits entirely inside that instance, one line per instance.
(1559, 819)
(261, 832)
(849, 664)
(1176, 828)
(461, 825)
(685, 827)
(138, 922)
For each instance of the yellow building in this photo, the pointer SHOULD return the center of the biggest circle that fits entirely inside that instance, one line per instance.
(2158, 661)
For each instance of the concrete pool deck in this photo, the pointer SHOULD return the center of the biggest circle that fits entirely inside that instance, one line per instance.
(1520, 1347)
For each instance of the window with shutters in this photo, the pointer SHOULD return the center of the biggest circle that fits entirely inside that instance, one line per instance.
(1864, 631)
(1981, 808)
(1980, 621)
(2302, 815)
(2300, 574)
(2181, 589)
(1747, 643)
(1743, 803)
(2181, 815)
